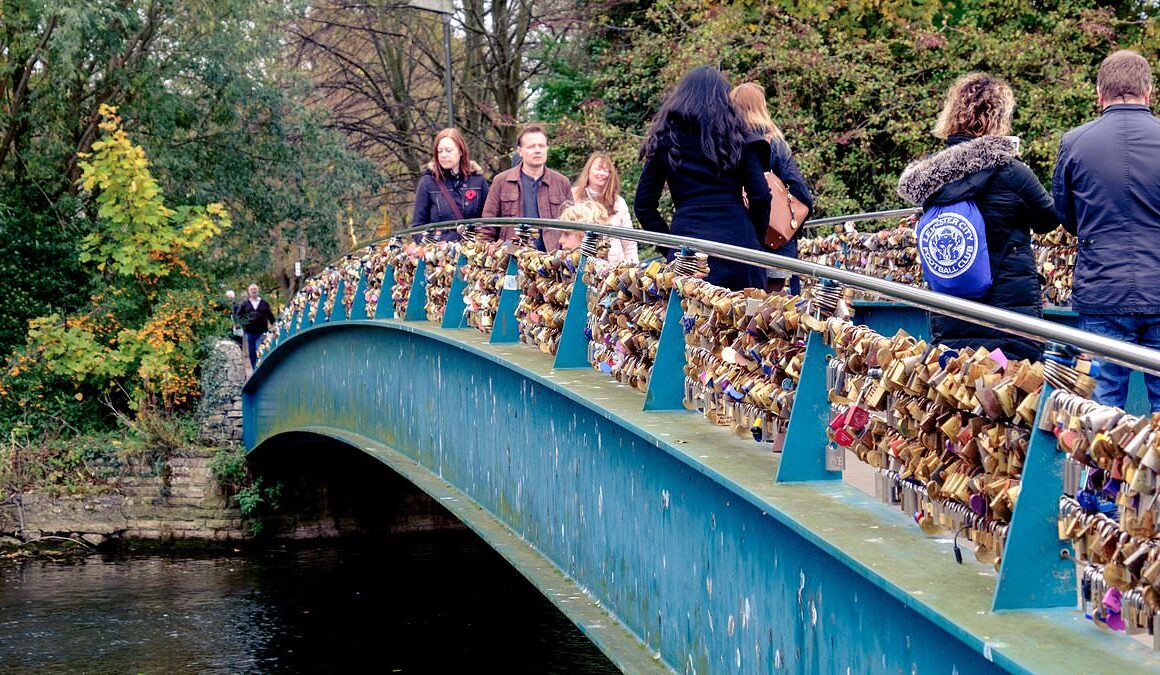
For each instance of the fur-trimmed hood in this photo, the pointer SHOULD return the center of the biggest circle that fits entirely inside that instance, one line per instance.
(924, 178)
(433, 168)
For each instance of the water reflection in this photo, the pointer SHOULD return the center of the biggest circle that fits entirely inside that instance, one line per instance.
(417, 603)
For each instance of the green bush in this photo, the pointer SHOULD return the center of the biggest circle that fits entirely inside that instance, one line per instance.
(252, 495)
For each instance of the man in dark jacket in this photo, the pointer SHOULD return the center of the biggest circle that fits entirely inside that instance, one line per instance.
(530, 189)
(1107, 192)
(255, 315)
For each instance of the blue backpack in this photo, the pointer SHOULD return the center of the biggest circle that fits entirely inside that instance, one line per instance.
(952, 245)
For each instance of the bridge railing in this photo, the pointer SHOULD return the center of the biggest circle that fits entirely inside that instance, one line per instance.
(964, 442)
(1126, 354)
(892, 253)
(889, 214)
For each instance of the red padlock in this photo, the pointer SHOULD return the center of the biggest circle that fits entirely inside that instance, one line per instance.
(844, 437)
(845, 425)
(854, 416)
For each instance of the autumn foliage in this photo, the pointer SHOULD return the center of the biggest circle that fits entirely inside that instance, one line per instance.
(137, 343)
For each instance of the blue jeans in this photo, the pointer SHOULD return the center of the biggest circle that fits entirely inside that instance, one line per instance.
(252, 342)
(1112, 380)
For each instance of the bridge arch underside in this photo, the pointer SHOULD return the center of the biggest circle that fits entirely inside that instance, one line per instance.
(671, 524)
(329, 487)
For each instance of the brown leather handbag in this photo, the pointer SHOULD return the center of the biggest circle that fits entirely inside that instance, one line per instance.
(786, 213)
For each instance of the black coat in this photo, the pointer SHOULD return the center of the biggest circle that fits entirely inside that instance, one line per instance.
(708, 203)
(431, 205)
(256, 321)
(1012, 201)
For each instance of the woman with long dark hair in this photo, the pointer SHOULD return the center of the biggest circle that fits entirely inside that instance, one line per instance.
(452, 186)
(697, 145)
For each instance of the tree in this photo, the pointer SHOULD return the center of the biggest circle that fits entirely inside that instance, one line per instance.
(379, 67)
(142, 237)
(204, 88)
(856, 86)
(138, 341)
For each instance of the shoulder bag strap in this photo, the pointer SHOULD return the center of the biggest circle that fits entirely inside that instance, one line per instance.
(447, 194)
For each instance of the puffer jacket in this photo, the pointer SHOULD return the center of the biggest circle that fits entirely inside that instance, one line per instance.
(431, 206)
(1013, 202)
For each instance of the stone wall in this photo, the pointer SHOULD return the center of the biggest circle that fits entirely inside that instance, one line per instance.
(349, 493)
(180, 500)
(183, 502)
(220, 412)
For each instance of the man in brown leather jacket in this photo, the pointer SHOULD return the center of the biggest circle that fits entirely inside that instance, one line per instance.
(530, 189)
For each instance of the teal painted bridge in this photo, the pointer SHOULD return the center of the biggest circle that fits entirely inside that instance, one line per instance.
(676, 545)
(667, 539)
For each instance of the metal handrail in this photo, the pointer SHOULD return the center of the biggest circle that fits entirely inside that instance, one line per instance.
(816, 222)
(1123, 353)
(857, 217)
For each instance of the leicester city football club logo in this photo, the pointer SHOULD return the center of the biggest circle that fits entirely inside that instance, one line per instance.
(949, 245)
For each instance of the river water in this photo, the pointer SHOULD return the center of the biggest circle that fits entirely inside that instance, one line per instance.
(435, 602)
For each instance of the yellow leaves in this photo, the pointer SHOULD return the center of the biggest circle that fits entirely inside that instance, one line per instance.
(110, 121)
(141, 237)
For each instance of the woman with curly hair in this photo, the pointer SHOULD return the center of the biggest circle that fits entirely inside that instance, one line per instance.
(697, 145)
(981, 163)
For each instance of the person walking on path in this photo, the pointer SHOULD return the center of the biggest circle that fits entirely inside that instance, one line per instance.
(255, 315)
(530, 189)
(1107, 193)
(235, 327)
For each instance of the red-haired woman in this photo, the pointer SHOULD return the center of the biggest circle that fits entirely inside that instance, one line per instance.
(452, 186)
